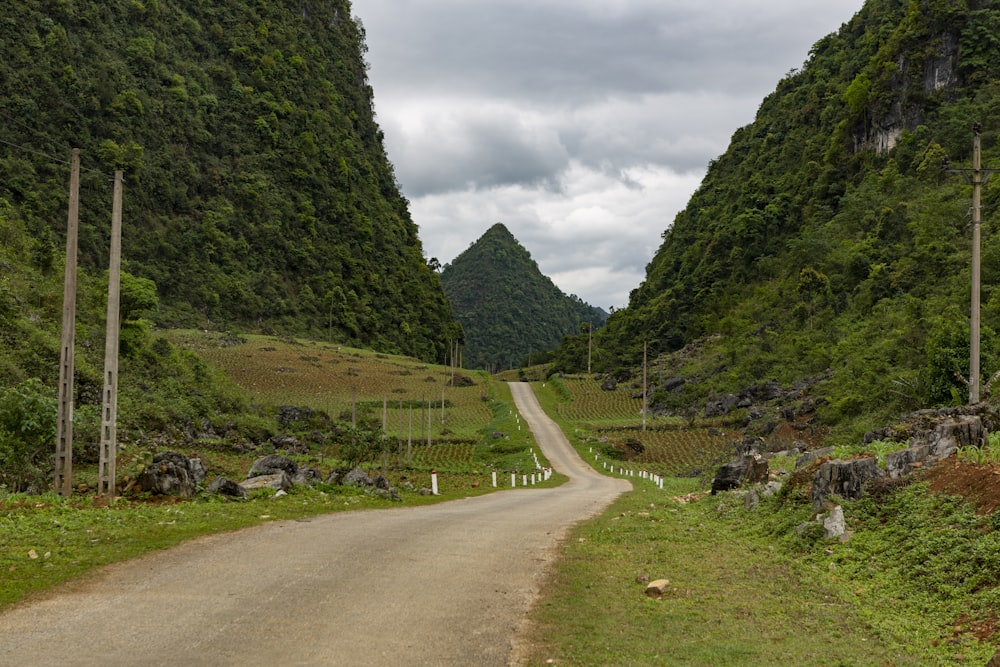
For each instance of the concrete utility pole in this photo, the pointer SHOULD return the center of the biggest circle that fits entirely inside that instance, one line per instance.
(978, 177)
(645, 402)
(977, 188)
(590, 343)
(64, 435)
(109, 414)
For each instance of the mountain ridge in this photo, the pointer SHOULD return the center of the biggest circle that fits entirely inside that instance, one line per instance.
(511, 313)
(828, 237)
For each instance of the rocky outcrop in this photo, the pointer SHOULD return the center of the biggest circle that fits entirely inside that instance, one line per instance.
(172, 474)
(750, 468)
(845, 479)
(279, 481)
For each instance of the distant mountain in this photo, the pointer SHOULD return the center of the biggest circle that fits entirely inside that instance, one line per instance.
(507, 308)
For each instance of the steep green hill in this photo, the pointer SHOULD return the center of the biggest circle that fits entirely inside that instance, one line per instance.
(258, 193)
(508, 310)
(828, 236)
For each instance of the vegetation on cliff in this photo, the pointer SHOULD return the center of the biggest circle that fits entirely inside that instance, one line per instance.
(258, 192)
(510, 313)
(828, 239)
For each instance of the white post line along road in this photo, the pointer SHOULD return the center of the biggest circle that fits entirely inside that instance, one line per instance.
(447, 584)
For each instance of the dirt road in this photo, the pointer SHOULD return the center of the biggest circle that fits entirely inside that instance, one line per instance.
(447, 584)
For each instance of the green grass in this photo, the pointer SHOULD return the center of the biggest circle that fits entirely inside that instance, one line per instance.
(918, 582)
(735, 598)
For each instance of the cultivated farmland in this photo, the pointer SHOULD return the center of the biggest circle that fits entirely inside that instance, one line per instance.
(349, 383)
(435, 416)
(609, 423)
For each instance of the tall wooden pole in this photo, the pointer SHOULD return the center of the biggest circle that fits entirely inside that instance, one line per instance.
(64, 435)
(109, 414)
(977, 187)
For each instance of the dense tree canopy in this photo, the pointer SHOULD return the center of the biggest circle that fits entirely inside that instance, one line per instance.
(510, 313)
(258, 191)
(828, 236)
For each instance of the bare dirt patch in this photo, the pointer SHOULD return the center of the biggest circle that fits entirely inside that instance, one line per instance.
(977, 484)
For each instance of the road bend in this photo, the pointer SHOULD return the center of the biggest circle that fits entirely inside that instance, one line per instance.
(447, 584)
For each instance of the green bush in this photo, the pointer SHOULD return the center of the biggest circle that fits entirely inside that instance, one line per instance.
(27, 433)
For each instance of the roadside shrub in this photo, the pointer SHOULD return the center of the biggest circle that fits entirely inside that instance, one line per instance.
(27, 434)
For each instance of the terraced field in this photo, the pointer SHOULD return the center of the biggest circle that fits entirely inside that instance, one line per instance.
(404, 394)
(609, 423)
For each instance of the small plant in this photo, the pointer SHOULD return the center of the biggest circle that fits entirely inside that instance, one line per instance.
(973, 454)
(880, 448)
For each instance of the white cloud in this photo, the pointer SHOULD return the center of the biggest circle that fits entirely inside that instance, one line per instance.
(583, 125)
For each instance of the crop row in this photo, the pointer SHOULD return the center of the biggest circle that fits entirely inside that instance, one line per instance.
(675, 452)
(590, 403)
(445, 456)
(353, 384)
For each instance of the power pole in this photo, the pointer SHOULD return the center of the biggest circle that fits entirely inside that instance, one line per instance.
(977, 188)
(590, 338)
(109, 415)
(978, 177)
(64, 435)
(644, 401)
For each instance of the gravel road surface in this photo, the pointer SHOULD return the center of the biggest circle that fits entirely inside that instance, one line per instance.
(447, 584)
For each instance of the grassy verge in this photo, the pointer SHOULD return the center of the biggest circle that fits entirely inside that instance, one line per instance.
(733, 599)
(917, 583)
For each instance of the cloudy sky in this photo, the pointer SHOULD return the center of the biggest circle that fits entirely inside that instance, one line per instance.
(584, 126)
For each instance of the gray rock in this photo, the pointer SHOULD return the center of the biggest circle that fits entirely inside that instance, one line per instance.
(771, 488)
(286, 442)
(845, 479)
(903, 462)
(952, 433)
(388, 494)
(279, 481)
(272, 464)
(307, 475)
(227, 487)
(169, 474)
(356, 477)
(809, 457)
(750, 468)
(198, 471)
(834, 525)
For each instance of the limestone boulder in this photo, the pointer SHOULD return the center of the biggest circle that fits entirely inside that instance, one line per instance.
(845, 479)
(279, 481)
(172, 474)
(750, 468)
(273, 464)
(226, 487)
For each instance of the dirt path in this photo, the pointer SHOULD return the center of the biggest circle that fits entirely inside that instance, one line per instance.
(447, 584)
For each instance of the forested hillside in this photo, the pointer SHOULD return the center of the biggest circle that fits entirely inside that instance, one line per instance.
(828, 240)
(510, 313)
(258, 193)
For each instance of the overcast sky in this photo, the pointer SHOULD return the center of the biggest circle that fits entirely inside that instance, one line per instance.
(584, 126)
